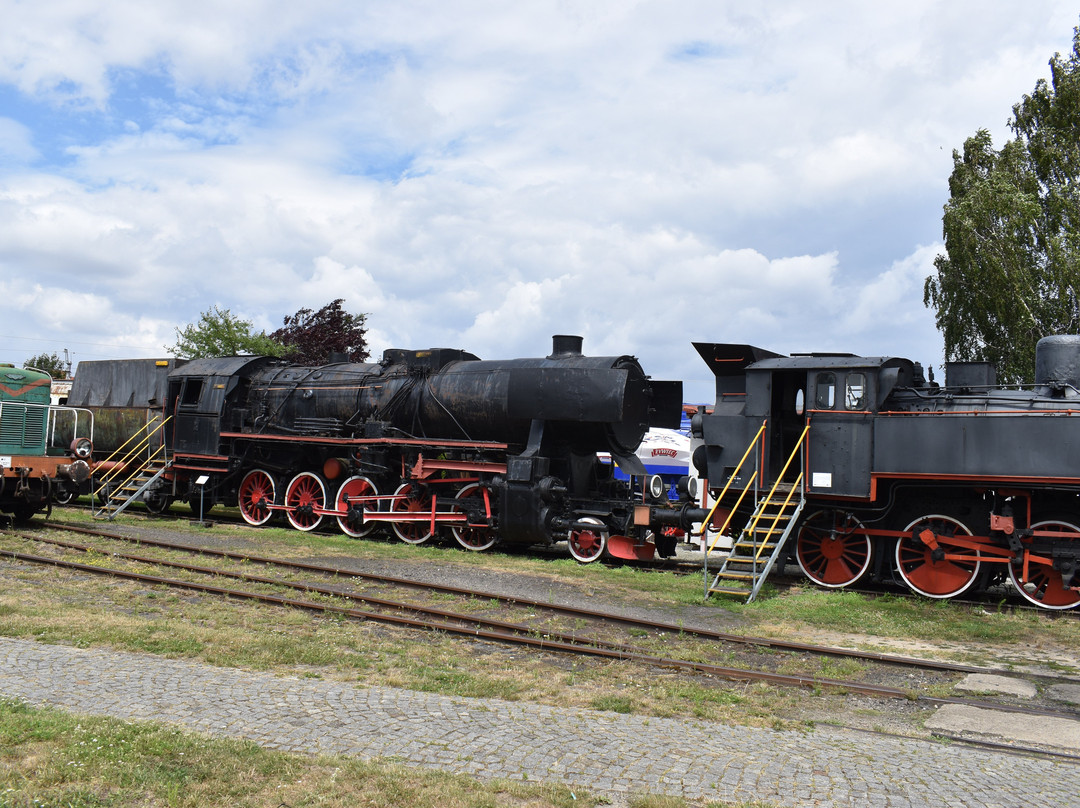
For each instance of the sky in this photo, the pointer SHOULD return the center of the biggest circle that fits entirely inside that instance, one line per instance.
(484, 175)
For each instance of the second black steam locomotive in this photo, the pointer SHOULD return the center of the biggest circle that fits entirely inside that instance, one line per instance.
(494, 451)
(944, 488)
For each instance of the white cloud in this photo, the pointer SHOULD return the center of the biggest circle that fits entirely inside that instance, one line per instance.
(483, 176)
(16, 142)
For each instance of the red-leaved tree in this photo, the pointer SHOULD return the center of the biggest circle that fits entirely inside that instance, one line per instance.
(310, 337)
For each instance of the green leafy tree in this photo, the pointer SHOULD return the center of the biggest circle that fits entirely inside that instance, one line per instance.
(311, 336)
(50, 363)
(220, 333)
(1011, 272)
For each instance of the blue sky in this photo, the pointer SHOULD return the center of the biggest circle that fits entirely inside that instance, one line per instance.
(483, 175)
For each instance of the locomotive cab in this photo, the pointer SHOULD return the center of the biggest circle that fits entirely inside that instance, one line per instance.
(845, 395)
(197, 398)
(837, 394)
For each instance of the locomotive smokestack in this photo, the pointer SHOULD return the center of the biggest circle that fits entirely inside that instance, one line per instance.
(565, 345)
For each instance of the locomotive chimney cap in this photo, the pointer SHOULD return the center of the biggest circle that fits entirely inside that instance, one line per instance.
(565, 345)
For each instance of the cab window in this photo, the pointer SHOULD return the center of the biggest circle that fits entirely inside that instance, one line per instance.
(825, 391)
(855, 391)
(192, 392)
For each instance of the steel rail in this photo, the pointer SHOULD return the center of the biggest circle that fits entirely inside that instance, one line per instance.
(708, 634)
(540, 643)
(499, 625)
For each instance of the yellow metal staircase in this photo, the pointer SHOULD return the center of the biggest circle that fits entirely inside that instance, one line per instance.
(761, 542)
(131, 470)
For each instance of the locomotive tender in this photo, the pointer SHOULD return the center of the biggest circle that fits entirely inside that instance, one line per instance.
(945, 488)
(495, 451)
(34, 470)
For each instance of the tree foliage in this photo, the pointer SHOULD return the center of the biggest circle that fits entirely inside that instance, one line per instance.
(310, 337)
(220, 333)
(1011, 272)
(50, 363)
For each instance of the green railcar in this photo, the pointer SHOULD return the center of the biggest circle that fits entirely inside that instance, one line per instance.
(33, 471)
(24, 411)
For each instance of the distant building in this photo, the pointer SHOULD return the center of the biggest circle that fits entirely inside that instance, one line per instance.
(60, 390)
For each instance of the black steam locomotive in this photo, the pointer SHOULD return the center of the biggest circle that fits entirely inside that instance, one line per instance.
(878, 471)
(494, 451)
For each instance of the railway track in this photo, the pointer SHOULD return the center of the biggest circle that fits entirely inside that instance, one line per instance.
(999, 598)
(541, 638)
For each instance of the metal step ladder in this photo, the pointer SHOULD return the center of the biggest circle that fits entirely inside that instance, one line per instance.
(762, 540)
(755, 552)
(131, 471)
(114, 500)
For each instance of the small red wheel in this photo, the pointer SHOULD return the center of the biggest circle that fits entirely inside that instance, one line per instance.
(256, 494)
(937, 577)
(472, 537)
(356, 487)
(304, 497)
(1043, 585)
(588, 545)
(833, 549)
(411, 499)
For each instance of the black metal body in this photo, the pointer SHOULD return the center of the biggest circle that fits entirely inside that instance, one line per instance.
(425, 424)
(888, 448)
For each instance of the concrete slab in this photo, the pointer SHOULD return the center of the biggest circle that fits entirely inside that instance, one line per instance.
(990, 683)
(1067, 693)
(1044, 732)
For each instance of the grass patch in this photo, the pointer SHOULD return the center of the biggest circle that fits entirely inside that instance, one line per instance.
(614, 703)
(906, 617)
(50, 758)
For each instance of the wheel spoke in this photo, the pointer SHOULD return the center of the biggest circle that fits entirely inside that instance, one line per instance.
(157, 503)
(256, 494)
(355, 487)
(1043, 585)
(410, 499)
(926, 572)
(588, 545)
(833, 549)
(471, 537)
(305, 495)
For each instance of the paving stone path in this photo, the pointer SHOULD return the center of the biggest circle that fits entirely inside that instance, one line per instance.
(614, 754)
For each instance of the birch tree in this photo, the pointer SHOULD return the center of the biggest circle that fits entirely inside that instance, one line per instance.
(1011, 271)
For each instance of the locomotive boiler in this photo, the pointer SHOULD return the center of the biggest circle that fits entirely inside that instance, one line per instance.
(876, 471)
(423, 441)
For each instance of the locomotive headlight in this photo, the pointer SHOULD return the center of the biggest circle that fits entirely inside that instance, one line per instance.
(689, 488)
(655, 486)
(82, 448)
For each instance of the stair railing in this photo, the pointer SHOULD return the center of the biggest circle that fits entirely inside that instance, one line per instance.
(780, 516)
(800, 483)
(127, 459)
(756, 443)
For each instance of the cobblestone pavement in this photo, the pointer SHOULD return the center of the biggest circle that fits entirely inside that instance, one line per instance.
(605, 752)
